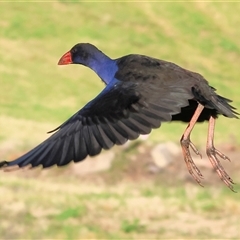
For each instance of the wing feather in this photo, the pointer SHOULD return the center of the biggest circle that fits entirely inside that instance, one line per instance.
(122, 111)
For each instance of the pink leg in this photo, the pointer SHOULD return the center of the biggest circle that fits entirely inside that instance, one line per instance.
(213, 155)
(186, 142)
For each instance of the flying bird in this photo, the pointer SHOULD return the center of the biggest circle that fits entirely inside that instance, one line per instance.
(141, 93)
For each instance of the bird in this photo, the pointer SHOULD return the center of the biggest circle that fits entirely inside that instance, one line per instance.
(141, 93)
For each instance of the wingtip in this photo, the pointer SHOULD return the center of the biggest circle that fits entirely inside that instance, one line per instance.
(6, 167)
(3, 164)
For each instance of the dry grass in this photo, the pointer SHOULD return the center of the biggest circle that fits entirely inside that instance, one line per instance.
(67, 208)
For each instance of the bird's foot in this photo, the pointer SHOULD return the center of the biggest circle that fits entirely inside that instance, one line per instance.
(191, 166)
(213, 155)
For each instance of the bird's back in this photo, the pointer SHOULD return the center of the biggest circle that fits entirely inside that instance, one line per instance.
(152, 74)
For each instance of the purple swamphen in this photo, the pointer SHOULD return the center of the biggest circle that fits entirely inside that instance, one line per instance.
(141, 92)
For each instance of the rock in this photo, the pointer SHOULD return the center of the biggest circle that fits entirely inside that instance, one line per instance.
(202, 162)
(165, 153)
(101, 162)
(153, 168)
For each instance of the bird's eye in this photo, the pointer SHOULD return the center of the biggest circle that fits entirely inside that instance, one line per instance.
(74, 50)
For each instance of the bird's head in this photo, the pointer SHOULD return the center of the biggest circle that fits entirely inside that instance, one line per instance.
(88, 55)
(81, 53)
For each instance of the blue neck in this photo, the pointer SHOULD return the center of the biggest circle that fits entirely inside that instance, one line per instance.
(104, 66)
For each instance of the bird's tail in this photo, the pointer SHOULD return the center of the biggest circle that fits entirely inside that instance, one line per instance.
(221, 104)
(214, 101)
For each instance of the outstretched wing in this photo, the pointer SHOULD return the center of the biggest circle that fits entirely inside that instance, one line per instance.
(120, 112)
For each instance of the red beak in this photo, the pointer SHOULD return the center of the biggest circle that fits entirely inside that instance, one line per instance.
(65, 59)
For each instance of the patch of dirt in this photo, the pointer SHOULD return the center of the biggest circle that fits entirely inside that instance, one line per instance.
(136, 164)
(177, 171)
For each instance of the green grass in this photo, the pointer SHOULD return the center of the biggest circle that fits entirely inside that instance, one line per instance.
(35, 35)
(132, 226)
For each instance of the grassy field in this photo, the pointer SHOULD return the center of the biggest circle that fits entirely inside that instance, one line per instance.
(37, 95)
(47, 208)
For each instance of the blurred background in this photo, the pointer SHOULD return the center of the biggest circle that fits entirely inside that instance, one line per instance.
(142, 189)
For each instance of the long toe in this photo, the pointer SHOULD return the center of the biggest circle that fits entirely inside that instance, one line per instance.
(191, 166)
(212, 155)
